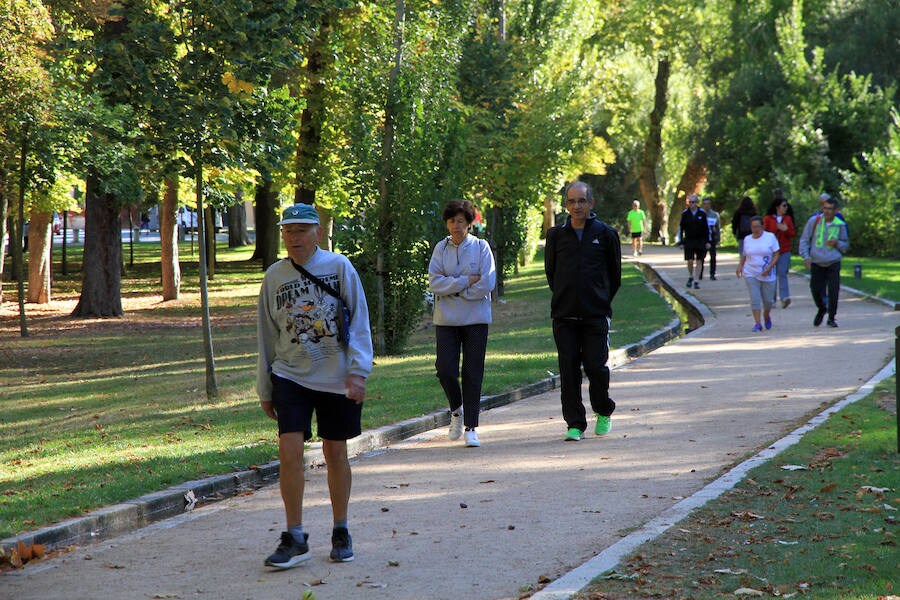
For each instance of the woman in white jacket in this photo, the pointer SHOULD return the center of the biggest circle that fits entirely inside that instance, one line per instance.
(461, 275)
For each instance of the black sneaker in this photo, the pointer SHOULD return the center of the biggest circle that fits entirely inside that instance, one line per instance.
(819, 316)
(690, 282)
(832, 323)
(712, 277)
(341, 545)
(290, 552)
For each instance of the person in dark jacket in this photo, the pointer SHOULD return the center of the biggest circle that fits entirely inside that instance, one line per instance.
(694, 237)
(583, 263)
(740, 221)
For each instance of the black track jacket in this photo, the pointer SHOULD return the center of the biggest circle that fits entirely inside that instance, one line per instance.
(584, 275)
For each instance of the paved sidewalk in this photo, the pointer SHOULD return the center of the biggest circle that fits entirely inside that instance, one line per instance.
(432, 519)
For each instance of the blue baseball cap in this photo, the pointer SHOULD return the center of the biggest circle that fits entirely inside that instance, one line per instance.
(299, 213)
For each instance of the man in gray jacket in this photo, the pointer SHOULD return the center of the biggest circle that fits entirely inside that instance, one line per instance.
(305, 367)
(823, 243)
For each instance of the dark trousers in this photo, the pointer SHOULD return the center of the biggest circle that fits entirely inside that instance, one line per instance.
(583, 342)
(824, 279)
(712, 262)
(472, 340)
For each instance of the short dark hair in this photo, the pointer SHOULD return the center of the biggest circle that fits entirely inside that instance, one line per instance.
(455, 207)
(832, 201)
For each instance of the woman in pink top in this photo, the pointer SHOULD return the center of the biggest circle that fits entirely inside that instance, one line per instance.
(779, 220)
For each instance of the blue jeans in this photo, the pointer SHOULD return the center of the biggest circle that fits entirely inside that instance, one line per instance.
(781, 270)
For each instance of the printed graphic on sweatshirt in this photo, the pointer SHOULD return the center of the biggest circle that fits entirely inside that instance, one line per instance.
(308, 310)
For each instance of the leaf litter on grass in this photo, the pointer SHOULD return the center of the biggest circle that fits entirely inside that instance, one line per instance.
(825, 531)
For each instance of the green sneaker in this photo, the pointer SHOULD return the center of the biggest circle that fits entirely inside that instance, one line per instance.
(574, 434)
(604, 424)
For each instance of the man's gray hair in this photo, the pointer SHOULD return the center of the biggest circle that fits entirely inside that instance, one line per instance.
(588, 192)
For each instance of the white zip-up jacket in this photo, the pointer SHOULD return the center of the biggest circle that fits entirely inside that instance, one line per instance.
(455, 301)
(297, 331)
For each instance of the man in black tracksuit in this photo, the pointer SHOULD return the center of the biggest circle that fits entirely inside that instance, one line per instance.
(694, 236)
(583, 263)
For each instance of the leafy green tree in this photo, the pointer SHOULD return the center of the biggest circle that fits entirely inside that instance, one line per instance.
(871, 191)
(531, 98)
(25, 108)
(395, 87)
(785, 118)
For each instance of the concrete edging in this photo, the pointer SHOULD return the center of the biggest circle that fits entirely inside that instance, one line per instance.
(116, 519)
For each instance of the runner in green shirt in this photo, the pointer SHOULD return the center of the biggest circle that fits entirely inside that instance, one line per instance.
(636, 218)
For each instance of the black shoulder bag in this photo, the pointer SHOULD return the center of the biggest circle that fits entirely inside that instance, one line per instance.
(342, 318)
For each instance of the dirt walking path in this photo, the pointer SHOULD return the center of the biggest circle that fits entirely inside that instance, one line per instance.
(434, 520)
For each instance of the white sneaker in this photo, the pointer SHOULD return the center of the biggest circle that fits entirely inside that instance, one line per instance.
(456, 424)
(472, 439)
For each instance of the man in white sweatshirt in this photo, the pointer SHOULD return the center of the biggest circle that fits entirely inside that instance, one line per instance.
(305, 367)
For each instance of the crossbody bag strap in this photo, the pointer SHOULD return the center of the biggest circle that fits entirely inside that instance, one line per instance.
(330, 290)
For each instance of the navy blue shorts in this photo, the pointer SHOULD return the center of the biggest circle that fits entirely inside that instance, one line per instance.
(337, 417)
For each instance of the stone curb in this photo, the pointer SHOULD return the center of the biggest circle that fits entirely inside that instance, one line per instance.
(114, 520)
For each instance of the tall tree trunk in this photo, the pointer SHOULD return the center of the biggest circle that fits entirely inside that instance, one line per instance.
(237, 222)
(327, 228)
(18, 258)
(497, 234)
(652, 150)
(204, 232)
(692, 178)
(309, 143)
(495, 241)
(101, 279)
(265, 207)
(209, 227)
(385, 222)
(168, 240)
(4, 211)
(39, 241)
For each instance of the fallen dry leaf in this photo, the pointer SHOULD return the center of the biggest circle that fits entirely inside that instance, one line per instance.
(747, 592)
(746, 515)
(24, 552)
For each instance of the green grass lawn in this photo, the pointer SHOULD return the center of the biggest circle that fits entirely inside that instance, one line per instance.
(880, 276)
(827, 531)
(96, 411)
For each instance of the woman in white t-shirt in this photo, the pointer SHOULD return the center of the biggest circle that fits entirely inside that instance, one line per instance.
(758, 270)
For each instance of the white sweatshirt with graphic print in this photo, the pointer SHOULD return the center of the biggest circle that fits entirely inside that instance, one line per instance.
(296, 326)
